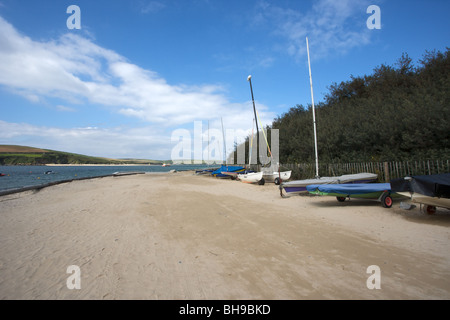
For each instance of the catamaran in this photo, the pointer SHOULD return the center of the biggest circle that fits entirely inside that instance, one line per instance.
(299, 186)
(264, 174)
(276, 177)
(249, 176)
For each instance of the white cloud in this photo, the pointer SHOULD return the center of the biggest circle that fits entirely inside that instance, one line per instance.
(64, 108)
(76, 70)
(332, 27)
(145, 142)
(151, 6)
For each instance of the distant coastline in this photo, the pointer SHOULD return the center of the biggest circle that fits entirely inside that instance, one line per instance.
(24, 155)
(100, 164)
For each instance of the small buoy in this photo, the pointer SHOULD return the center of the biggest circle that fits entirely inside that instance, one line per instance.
(38, 177)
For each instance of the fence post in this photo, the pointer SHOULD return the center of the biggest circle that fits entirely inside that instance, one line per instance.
(386, 172)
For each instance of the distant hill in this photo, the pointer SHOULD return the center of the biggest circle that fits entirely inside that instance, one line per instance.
(24, 155)
(20, 149)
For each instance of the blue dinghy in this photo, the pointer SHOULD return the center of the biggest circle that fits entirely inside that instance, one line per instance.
(378, 191)
(227, 171)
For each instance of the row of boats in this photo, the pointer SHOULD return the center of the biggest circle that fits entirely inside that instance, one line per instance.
(247, 176)
(431, 191)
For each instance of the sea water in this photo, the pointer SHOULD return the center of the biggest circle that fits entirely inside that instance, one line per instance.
(25, 176)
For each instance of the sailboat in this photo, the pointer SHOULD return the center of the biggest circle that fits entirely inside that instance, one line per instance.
(226, 171)
(208, 169)
(265, 174)
(252, 177)
(299, 186)
(277, 177)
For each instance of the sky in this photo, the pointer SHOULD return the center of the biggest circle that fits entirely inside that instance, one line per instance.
(139, 76)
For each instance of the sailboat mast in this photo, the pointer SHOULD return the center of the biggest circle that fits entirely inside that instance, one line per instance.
(208, 142)
(224, 147)
(251, 148)
(249, 79)
(313, 112)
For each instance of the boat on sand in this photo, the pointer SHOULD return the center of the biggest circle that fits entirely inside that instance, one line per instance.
(429, 190)
(299, 186)
(376, 191)
(227, 171)
(251, 177)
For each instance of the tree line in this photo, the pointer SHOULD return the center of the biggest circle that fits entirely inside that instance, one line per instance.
(398, 112)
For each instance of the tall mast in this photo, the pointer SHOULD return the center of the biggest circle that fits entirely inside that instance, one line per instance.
(249, 79)
(224, 146)
(313, 112)
(208, 142)
(251, 148)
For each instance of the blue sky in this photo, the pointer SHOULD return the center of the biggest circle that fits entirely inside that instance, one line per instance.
(138, 70)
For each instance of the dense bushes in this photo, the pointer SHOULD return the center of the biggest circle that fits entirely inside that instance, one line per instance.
(399, 112)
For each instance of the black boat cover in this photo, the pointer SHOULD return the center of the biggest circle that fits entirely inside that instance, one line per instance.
(435, 185)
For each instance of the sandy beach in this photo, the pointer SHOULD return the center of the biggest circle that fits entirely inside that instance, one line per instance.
(182, 236)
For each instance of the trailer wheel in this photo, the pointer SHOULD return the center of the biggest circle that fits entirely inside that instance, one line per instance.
(386, 201)
(340, 199)
(430, 209)
(261, 182)
(277, 181)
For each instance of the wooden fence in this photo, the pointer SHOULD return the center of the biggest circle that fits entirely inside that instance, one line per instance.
(386, 170)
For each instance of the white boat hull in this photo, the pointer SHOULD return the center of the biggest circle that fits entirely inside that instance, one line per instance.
(284, 175)
(252, 177)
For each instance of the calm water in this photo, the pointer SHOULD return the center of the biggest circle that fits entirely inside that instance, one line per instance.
(24, 176)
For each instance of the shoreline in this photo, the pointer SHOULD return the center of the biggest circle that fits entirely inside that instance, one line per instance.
(85, 164)
(184, 236)
(102, 165)
(54, 183)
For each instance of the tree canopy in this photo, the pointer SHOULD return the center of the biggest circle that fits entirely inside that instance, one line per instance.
(398, 112)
